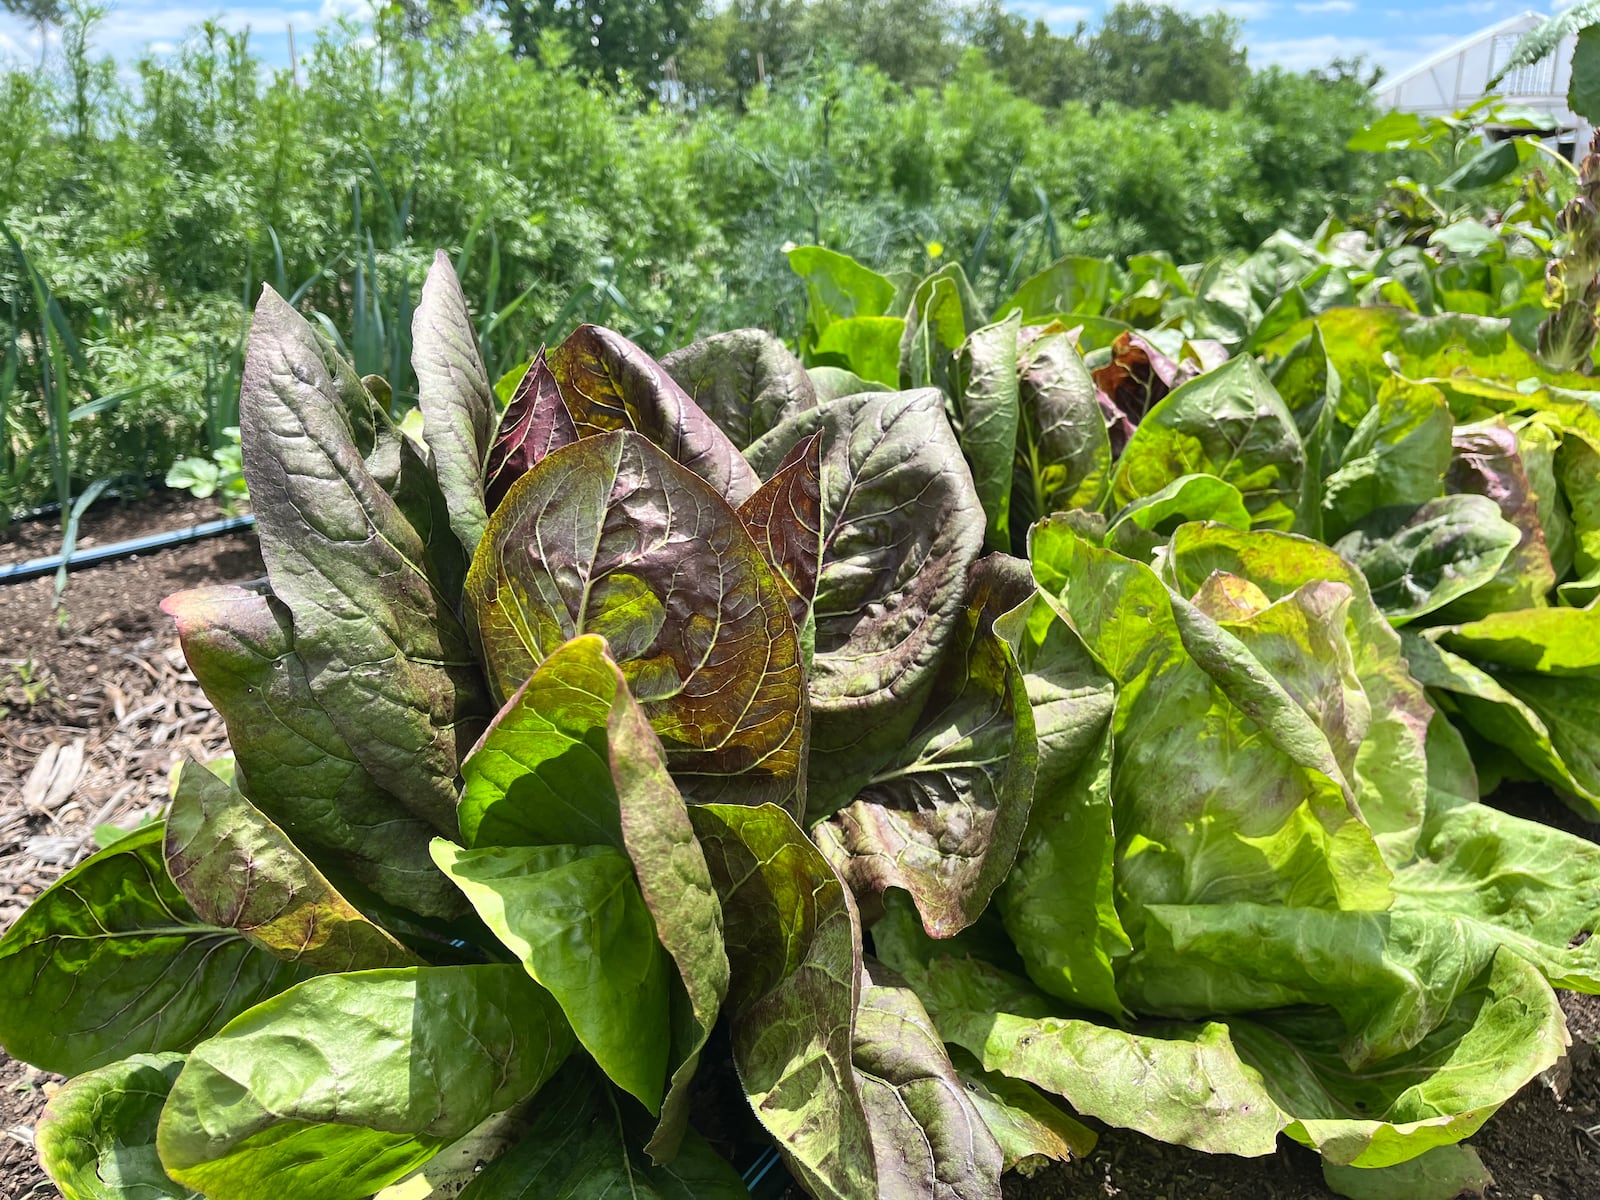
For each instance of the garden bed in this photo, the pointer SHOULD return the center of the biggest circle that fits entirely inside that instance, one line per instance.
(100, 696)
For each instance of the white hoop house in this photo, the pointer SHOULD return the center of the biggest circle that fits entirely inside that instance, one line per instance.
(1459, 76)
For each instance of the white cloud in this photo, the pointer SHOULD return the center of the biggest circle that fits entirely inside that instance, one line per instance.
(1394, 55)
(1326, 6)
(1057, 16)
(1244, 10)
(1481, 9)
(332, 10)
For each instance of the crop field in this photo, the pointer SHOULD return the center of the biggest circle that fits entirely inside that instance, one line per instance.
(772, 676)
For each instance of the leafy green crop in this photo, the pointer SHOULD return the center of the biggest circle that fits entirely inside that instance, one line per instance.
(644, 733)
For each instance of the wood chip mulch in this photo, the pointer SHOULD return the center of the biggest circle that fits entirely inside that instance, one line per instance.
(102, 754)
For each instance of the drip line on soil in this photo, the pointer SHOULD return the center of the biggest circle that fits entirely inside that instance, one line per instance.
(36, 567)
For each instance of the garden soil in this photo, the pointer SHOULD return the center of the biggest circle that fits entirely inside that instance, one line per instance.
(97, 707)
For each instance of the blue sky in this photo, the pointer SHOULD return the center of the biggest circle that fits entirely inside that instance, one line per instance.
(1295, 33)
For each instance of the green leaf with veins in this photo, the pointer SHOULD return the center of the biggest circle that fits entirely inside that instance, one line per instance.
(1230, 423)
(746, 381)
(1391, 763)
(1148, 522)
(987, 397)
(454, 397)
(293, 761)
(96, 1138)
(317, 1093)
(1183, 1084)
(1546, 893)
(1059, 901)
(1504, 718)
(865, 346)
(111, 961)
(1500, 1033)
(582, 1146)
(572, 760)
(574, 917)
(833, 382)
(837, 287)
(1548, 659)
(1396, 458)
(1443, 1173)
(239, 870)
(1418, 562)
(383, 651)
(1262, 805)
(1074, 284)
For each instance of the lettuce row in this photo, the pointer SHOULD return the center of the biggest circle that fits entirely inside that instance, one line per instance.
(671, 727)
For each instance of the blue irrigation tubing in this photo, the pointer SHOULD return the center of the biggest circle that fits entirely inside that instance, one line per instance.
(759, 1169)
(36, 567)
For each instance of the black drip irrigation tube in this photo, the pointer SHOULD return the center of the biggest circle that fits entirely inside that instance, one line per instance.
(49, 565)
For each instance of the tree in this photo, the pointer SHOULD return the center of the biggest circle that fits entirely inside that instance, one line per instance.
(609, 38)
(911, 41)
(1148, 56)
(745, 43)
(1035, 61)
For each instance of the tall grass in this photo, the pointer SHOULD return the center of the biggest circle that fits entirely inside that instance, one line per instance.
(55, 348)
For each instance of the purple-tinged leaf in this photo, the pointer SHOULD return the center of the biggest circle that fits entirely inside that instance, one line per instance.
(1062, 458)
(785, 519)
(1138, 377)
(1031, 1128)
(795, 950)
(929, 1137)
(611, 384)
(240, 871)
(611, 536)
(384, 653)
(943, 818)
(535, 423)
(293, 761)
(746, 381)
(901, 526)
(454, 396)
(1486, 461)
(986, 371)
